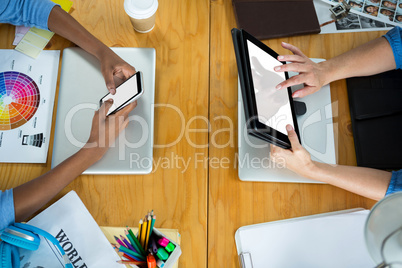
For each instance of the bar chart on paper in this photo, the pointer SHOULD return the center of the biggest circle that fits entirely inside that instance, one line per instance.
(19, 99)
(27, 92)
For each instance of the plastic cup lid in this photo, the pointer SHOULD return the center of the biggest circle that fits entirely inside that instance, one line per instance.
(140, 9)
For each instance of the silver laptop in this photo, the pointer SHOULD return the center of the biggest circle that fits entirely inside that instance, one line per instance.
(81, 87)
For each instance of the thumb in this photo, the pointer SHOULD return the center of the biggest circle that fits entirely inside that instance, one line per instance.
(109, 82)
(128, 71)
(105, 107)
(294, 140)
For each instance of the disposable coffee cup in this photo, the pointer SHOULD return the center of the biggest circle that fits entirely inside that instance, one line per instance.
(142, 14)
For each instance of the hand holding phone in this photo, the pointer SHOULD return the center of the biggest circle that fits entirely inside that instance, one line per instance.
(129, 91)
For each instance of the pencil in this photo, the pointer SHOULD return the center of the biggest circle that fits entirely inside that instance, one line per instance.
(148, 230)
(137, 242)
(152, 224)
(129, 265)
(132, 257)
(143, 234)
(127, 257)
(140, 230)
(119, 241)
(129, 252)
(122, 254)
(133, 243)
(128, 245)
(130, 262)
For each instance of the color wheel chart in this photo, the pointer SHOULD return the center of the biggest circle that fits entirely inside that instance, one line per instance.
(27, 93)
(19, 99)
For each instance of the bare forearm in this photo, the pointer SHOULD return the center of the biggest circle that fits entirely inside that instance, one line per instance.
(66, 26)
(112, 66)
(371, 183)
(370, 58)
(31, 196)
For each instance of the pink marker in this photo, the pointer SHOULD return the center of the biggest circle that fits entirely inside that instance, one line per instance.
(163, 242)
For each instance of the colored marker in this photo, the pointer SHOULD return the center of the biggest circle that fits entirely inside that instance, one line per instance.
(153, 246)
(151, 261)
(170, 247)
(162, 254)
(160, 263)
(163, 242)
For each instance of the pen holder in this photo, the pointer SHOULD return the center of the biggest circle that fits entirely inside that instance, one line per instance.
(173, 255)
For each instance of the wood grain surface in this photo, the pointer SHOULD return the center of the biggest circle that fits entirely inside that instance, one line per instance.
(178, 196)
(196, 73)
(233, 203)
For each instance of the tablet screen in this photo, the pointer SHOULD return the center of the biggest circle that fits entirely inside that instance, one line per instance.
(273, 106)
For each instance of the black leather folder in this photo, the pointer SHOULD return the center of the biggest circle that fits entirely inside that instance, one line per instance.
(376, 113)
(267, 19)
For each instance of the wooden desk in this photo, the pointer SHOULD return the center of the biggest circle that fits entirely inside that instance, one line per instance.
(181, 40)
(233, 203)
(196, 73)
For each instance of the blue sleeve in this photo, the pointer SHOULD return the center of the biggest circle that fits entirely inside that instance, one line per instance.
(395, 185)
(394, 38)
(7, 215)
(31, 13)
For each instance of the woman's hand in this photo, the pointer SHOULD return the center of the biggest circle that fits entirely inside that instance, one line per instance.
(105, 129)
(112, 67)
(311, 74)
(297, 158)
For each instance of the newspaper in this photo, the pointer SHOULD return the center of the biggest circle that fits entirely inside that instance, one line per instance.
(79, 235)
(351, 23)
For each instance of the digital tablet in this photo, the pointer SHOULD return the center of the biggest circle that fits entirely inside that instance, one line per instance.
(267, 109)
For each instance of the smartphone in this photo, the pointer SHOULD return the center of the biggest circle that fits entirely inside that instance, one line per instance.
(126, 93)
